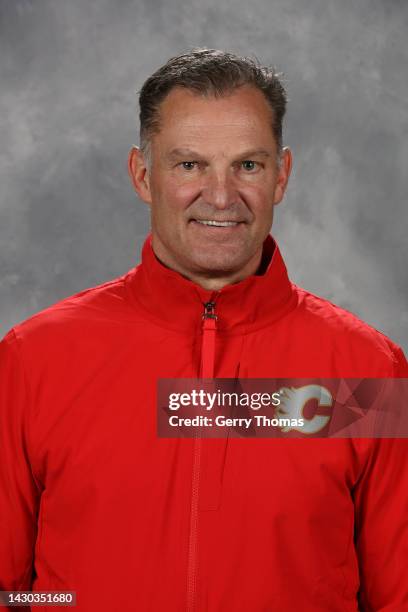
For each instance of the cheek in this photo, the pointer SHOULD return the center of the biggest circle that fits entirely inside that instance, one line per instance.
(178, 197)
(172, 193)
(258, 197)
(186, 193)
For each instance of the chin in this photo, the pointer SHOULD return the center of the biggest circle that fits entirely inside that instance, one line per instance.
(217, 264)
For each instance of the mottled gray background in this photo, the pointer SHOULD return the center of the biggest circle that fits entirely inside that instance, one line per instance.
(69, 72)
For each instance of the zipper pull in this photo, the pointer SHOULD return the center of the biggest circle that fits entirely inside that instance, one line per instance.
(208, 344)
(209, 313)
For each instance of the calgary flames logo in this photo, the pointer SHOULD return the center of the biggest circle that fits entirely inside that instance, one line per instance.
(293, 402)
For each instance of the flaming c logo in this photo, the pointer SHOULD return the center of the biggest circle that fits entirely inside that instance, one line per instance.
(293, 402)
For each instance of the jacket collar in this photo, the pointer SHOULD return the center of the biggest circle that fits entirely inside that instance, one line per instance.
(172, 301)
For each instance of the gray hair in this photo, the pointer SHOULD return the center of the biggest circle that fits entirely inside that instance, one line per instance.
(209, 72)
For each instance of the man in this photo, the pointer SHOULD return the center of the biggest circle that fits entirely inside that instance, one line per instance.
(92, 500)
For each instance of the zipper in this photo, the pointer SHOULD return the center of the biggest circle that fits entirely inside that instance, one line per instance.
(208, 344)
(209, 328)
(192, 544)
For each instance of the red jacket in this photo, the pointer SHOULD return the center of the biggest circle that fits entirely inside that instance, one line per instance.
(92, 501)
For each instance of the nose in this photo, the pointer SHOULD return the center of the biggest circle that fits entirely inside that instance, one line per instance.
(219, 189)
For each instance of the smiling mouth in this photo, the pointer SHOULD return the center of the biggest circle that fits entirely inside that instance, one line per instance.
(212, 223)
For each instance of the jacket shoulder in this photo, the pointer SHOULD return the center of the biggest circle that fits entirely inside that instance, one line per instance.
(100, 304)
(347, 333)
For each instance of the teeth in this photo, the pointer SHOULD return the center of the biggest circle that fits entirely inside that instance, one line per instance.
(218, 223)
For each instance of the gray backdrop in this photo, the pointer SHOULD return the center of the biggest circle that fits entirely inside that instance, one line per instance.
(69, 72)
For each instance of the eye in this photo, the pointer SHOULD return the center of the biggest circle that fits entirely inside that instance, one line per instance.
(188, 165)
(249, 165)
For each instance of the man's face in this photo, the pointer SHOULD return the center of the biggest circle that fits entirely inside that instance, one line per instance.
(213, 182)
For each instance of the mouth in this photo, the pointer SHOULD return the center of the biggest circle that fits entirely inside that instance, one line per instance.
(212, 223)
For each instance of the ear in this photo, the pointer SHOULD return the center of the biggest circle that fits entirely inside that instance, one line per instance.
(139, 175)
(284, 171)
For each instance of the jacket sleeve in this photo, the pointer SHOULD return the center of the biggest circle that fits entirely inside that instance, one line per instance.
(381, 522)
(19, 492)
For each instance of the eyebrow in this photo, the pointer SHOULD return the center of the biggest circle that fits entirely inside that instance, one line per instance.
(185, 152)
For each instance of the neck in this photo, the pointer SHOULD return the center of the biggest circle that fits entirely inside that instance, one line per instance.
(172, 301)
(211, 280)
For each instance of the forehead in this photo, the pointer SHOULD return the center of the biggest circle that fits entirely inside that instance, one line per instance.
(243, 114)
